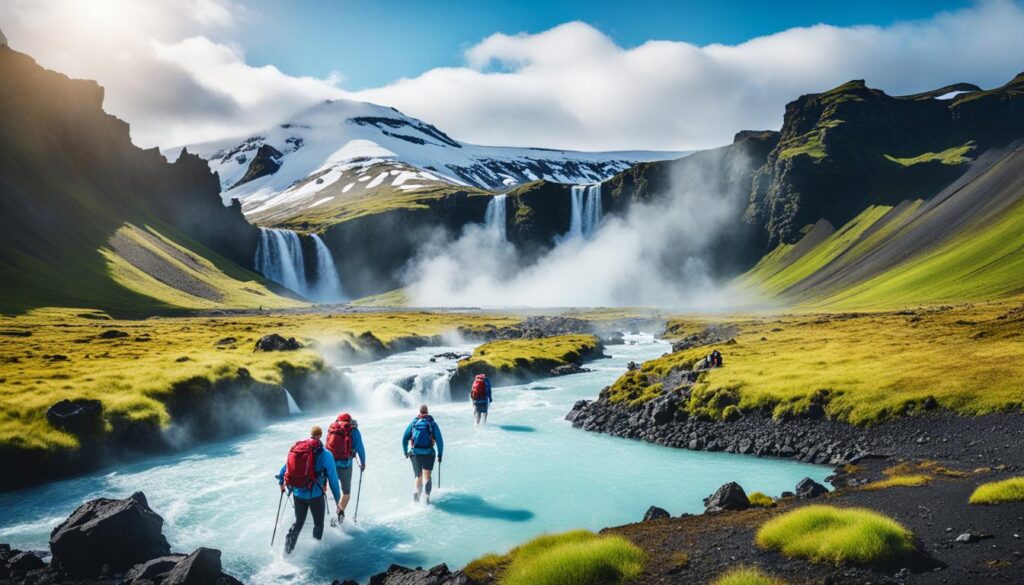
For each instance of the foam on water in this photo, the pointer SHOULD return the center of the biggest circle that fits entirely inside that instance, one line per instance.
(526, 473)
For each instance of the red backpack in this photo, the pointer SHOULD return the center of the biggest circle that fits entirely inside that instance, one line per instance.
(479, 391)
(339, 437)
(300, 472)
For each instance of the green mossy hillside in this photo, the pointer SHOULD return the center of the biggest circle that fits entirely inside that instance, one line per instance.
(508, 361)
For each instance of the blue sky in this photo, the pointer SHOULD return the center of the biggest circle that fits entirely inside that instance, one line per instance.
(374, 42)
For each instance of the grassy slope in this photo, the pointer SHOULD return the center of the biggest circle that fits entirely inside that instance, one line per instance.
(954, 155)
(131, 375)
(237, 287)
(872, 365)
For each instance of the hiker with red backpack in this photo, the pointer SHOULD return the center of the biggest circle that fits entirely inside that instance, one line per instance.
(418, 443)
(480, 394)
(344, 441)
(306, 473)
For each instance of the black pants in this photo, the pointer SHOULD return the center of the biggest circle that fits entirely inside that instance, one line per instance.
(317, 507)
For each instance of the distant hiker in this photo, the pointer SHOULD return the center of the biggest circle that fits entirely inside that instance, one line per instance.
(344, 441)
(306, 473)
(418, 442)
(716, 359)
(480, 394)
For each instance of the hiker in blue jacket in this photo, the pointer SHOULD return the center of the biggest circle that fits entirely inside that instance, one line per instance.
(418, 443)
(345, 442)
(480, 394)
(309, 493)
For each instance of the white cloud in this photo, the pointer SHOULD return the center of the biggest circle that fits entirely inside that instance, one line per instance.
(572, 87)
(161, 70)
(174, 71)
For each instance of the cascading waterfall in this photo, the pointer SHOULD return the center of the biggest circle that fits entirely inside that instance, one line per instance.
(329, 283)
(494, 217)
(279, 257)
(293, 407)
(585, 211)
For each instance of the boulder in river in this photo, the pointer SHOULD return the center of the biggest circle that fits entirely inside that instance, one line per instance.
(275, 342)
(117, 533)
(79, 417)
(568, 369)
(655, 513)
(438, 575)
(808, 488)
(728, 497)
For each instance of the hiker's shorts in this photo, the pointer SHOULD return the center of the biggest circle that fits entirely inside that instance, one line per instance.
(345, 477)
(480, 407)
(421, 462)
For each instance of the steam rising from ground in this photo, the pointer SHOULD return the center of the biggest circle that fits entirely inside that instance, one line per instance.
(657, 255)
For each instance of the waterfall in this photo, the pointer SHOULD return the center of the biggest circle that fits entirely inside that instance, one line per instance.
(329, 283)
(279, 257)
(293, 407)
(494, 217)
(585, 210)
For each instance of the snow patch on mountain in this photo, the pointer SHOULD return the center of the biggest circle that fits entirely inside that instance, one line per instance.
(365, 147)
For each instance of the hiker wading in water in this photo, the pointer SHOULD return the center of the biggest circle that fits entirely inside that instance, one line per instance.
(344, 441)
(418, 444)
(306, 472)
(480, 394)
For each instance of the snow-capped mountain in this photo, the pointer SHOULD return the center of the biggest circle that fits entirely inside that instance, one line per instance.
(340, 150)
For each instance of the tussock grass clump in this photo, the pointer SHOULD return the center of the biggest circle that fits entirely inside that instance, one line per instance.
(747, 576)
(760, 500)
(898, 481)
(999, 492)
(578, 557)
(837, 535)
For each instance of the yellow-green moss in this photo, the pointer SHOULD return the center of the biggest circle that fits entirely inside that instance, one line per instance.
(837, 535)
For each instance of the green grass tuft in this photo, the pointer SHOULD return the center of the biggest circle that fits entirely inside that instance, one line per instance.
(898, 481)
(747, 576)
(760, 500)
(837, 535)
(999, 492)
(578, 557)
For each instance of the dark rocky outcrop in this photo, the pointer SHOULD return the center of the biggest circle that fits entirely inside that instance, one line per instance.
(808, 488)
(655, 513)
(95, 181)
(81, 417)
(266, 162)
(113, 542)
(438, 575)
(708, 336)
(729, 497)
(836, 152)
(567, 369)
(116, 533)
(275, 342)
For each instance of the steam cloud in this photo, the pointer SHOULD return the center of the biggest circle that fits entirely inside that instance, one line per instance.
(658, 254)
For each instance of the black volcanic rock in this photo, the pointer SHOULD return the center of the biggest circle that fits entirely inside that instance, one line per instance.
(117, 533)
(80, 417)
(266, 162)
(728, 497)
(655, 513)
(276, 342)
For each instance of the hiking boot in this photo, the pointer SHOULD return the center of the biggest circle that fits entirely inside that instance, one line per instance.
(416, 497)
(428, 499)
(341, 517)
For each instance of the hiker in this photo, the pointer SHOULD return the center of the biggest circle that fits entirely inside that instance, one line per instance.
(344, 441)
(716, 359)
(481, 397)
(306, 473)
(422, 435)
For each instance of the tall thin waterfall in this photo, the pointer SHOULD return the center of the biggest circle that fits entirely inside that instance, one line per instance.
(494, 217)
(585, 214)
(328, 281)
(279, 257)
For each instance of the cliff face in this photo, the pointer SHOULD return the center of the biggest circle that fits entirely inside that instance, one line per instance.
(70, 177)
(854, 146)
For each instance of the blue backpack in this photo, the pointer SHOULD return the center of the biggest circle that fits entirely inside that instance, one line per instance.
(423, 432)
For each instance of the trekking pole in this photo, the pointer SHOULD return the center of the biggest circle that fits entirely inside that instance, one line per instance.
(438, 474)
(359, 492)
(277, 518)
